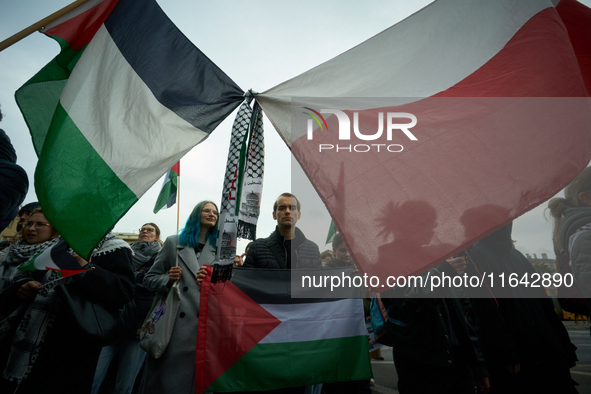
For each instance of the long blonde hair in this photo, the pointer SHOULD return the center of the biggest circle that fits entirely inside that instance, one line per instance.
(557, 205)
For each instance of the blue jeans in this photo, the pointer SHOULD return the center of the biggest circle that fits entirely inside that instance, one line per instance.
(131, 359)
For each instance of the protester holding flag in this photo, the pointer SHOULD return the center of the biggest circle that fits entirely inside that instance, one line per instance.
(180, 260)
(131, 356)
(41, 338)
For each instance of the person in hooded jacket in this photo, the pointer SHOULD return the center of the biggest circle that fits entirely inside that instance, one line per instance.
(526, 346)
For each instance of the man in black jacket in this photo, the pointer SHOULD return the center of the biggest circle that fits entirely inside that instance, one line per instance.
(286, 247)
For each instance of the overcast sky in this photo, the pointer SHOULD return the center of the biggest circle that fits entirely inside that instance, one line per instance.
(259, 44)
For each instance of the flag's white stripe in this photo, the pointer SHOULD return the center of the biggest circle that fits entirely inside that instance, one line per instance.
(72, 14)
(121, 118)
(316, 321)
(422, 55)
(44, 260)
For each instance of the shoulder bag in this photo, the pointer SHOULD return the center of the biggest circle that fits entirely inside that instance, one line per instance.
(157, 328)
(99, 322)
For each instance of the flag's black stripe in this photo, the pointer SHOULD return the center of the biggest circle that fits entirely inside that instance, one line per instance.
(274, 286)
(179, 75)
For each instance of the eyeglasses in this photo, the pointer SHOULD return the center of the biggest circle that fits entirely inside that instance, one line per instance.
(208, 211)
(147, 229)
(36, 224)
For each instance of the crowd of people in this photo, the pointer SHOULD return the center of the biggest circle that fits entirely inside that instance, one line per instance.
(446, 342)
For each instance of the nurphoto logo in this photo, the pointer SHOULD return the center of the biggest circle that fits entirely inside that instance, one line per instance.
(391, 124)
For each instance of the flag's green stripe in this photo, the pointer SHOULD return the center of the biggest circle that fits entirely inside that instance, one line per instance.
(30, 265)
(69, 163)
(302, 363)
(39, 96)
(167, 189)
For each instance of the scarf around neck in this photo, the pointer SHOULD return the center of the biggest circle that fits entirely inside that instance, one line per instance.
(143, 252)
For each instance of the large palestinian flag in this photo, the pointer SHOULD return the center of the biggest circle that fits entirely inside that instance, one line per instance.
(253, 336)
(125, 99)
(442, 128)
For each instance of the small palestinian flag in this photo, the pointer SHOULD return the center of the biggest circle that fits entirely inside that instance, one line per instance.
(54, 258)
(250, 324)
(168, 193)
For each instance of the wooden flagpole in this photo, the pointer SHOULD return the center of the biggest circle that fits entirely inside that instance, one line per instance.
(178, 198)
(178, 210)
(42, 23)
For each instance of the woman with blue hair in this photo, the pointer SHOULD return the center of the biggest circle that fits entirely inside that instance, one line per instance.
(180, 260)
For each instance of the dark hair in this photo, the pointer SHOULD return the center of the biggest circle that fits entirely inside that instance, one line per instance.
(286, 195)
(337, 241)
(247, 247)
(29, 207)
(190, 234)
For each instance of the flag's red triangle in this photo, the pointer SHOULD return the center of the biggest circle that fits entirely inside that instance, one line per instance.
(78, 31)
(230, 324)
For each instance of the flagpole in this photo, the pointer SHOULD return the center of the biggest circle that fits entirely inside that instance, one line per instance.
(178, 211)
(178, 199)
(42, 23)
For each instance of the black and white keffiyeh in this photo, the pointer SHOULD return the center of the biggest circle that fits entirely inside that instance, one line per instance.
(252, 184)
(243, 181)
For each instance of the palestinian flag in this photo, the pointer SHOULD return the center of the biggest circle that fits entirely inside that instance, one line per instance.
(125, 99)
(54, 258)
(253, 336)
(449, 125)
(168, 193)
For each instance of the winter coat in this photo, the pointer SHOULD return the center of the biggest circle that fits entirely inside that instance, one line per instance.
(174, 371)
(260, 254)
(334, 262)
(520, 329)
(65, 347)
(420, 327)
(14, 182)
